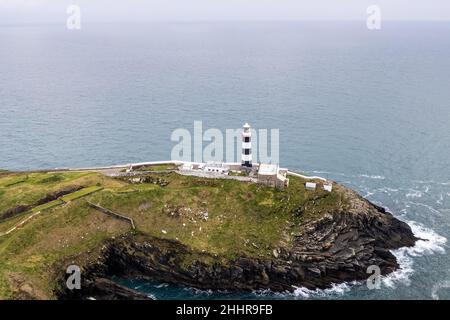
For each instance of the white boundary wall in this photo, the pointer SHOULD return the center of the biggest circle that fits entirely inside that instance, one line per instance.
(305, 177)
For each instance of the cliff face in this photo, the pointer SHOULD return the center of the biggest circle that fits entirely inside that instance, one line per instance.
(335, 248)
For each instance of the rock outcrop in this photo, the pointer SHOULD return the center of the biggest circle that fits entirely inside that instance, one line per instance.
(334, 248)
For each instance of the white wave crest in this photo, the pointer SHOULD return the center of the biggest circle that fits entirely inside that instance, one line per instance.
(151, 296)
(430, 243)
(336, 289)
(441, 199)
(437, 287)
(364, 175)
(425, 206)
(376, 177)
(414, 194)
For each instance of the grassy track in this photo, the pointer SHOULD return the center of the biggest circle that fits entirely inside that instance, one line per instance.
(81, 193)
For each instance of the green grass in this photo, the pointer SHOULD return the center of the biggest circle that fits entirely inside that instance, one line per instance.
(27, 189)
(243, 218)
(47, 205)
(239, 214)
(157, 167)
(29, 253)
(81, 193)
(238, 174)
(10, 223)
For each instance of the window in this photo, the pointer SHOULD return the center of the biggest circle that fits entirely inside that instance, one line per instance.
(246, 139)
(246, 151)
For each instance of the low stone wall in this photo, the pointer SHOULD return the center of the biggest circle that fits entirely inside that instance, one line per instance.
(113, 214)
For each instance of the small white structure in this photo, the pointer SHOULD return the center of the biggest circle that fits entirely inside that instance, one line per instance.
(187, 166)
(216, 167)
(247, 146)
(328, 187)
(267, 169)
(272, 175)
(311, 186)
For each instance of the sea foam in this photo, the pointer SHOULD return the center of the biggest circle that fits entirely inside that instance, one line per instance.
(430, 243)
(335, 290)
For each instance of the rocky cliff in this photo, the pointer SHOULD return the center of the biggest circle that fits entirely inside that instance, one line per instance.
(336, 247)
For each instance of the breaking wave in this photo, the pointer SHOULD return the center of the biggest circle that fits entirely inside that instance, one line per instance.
(437, 287)
(335, 290)
(414, 194)
(364, 175)
(376, 177)
(430, 243)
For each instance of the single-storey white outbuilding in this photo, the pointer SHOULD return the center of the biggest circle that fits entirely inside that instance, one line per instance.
(272, 175)
(311, 185)
(217, 167)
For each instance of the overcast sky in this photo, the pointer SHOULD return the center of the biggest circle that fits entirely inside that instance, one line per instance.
(53, 11)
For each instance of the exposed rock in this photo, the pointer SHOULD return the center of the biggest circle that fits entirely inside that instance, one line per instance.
(103, 289)
(336, 247)
(14, 211)
(147, 179)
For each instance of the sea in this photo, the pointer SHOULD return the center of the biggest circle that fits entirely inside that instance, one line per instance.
(369, 109)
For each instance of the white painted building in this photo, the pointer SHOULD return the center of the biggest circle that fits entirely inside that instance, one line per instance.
(272, 175)
(187, 166)
(311, 186)
(216, 167)
(328, 187)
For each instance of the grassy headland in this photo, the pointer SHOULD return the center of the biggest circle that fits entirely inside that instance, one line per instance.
(225, 218)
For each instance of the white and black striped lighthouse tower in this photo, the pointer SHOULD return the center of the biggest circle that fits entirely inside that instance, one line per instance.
(247, 146)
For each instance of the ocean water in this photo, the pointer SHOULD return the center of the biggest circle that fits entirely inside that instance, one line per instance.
(369, 109)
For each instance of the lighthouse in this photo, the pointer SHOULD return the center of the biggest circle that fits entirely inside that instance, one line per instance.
(247, 146)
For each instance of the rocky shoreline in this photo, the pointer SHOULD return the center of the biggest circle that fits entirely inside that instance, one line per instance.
(337, 247)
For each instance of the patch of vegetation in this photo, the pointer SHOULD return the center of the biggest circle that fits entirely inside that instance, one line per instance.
(52, 179)
(226, 218)
(238, 173)
(16, 181)
(146, 179)
(47, 206)
(31, 190)
(157, 167)
(81, 193)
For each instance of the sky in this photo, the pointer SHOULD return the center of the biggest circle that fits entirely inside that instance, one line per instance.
(54, 11)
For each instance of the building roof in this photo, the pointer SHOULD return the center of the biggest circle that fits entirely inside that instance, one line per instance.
(311, 185)
(246, 126)
(268, 169)
(213, 164)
